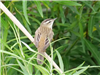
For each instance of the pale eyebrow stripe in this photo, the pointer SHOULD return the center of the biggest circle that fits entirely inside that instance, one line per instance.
(47, 20)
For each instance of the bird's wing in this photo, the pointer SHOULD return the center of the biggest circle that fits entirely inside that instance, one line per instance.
(45, 40)
(37, 37)
(48, 39)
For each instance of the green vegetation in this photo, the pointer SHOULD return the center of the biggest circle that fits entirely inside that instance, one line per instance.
(76, 42)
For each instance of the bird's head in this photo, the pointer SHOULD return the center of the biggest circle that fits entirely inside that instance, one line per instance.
(48, 22)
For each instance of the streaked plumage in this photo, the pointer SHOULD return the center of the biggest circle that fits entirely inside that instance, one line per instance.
(42, 36)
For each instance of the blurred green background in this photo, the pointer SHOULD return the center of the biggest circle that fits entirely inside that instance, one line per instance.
(76, 41)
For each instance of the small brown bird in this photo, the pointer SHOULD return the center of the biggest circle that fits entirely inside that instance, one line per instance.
(42, 36)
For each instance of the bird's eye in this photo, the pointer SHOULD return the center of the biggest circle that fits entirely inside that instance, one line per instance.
(49, 22)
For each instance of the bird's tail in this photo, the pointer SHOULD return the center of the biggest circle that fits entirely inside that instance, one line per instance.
(40, 58)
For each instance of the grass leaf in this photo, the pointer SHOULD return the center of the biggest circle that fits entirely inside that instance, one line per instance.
(39, 8)
(60, 61)
(69, 3)
(25, 11)
(93, 50)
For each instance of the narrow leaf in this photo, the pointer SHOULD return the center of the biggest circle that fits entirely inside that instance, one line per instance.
(25, 11)
(39, 8)
(93, 50)
(81, 71)
(43, 70)
(23, 68)
(46, 3)
(60, 61)
(69, 3)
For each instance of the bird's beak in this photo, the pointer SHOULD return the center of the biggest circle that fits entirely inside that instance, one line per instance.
(54, 19)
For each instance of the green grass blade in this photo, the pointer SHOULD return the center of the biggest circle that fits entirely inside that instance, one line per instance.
(88, 4)
(23, 68)
(46, 4)
(25, 11)
(93, 50)
(60, 61)
(81, 71)
(82, 36)
(69, 3)
(39, 8)
(43, 70)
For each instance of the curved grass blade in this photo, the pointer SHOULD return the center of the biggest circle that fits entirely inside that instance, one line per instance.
(25, 11)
